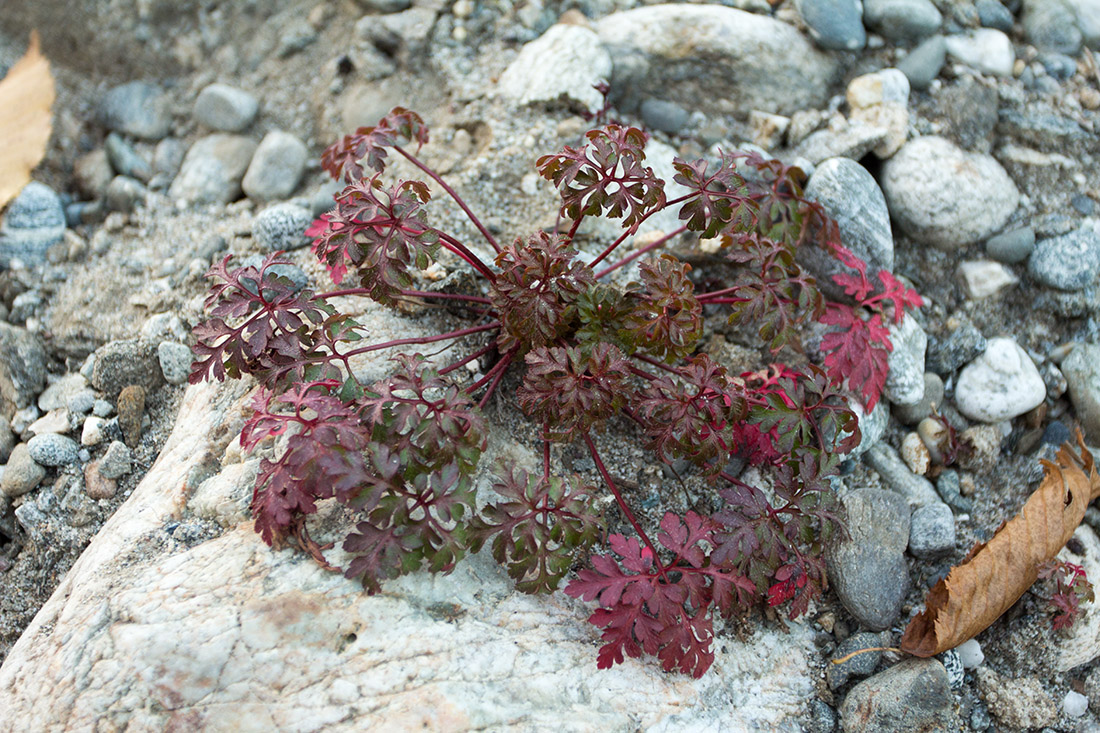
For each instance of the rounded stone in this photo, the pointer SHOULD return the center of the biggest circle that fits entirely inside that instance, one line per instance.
(902, 20)
(991, 14)
(834, 24)
(1068, 262)
(22, 473)
(138, 109)
(1082, 371)
(562, 65)
(923, 64)
(175, 361)
(987, 50)
(1012, 246)
(225, 108)
(664, 116)
(905, 380)
(941, 195)
(52, 449)
(281, 227)
(34, 222)
(211, 171)
(116, 461)
(276, 167)
(932, 531)
(912, 695)
(1000, 384)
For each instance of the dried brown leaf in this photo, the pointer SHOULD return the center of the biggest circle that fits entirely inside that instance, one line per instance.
(996, 573)
(26, 95)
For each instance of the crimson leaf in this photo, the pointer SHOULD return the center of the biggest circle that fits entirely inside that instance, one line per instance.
(666, 320)
(572, 388)
(344, 158)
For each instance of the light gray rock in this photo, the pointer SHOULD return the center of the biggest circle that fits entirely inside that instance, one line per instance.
(276, 168)
(1000, 384)
(1087, 16)
(138, 109)
(916, 490)
(912, 695)
(902, 20)
(212, 169)
(987, 50)
(1082, 371)
(281, 227)
(1012, 246)
(34, 222)
(984, 278)
(923, 63)
(714, 59)
(22, 473)
(22, 368)
(119, 364)
(1051, 25)
(1068, 262)
(905, 380)
(558, 67)
(932, 531)
(868, 568)
(384, 6)
(124, 194)
(871, 427)
(116, 461)
(941, 195)
(175, 361)
(852, 140)
(125, 160)
(225, 108)
(834, 24)
(850, 196)
(51, 449)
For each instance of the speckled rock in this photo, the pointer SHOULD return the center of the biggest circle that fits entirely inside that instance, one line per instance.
(22, 473)
(51, 449)
(911, 695)
(175, 361)
(834, 24)
(932, 531)
(944, 196)
(34, 222)
(1068, 262)
(868, 569)
(1082, 371)
(859, 666)
(116, 461)
(560, 66)
(1017, 703)
(902, 20)
(1000, 384)
(138, 109)
(905, 380)
(7, 439)
(225, 108)
(131, 409)
(22, 368)
(276, 168)
(211, 171)
(121, 363)
(282, 227)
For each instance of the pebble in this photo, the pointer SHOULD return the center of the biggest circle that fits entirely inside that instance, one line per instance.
(34, 222)
(51, 449)
(912, 695)
(1068, 262)
(137, 109)
(121, 363)
(61, 391)
(767, 129)
(131, 409)
(915, 454)
(225, 108)
(96, 485)
(849, 141)
(956, 674)
(868, 569)
(276, 168)
(963, 343)
(914, 489)
(941, 195)
(125, 160)
(1074, 704)
(871, 427)
(124, 194)
(923, 64)
(384, 6)
(933, 398)
(1082, 372)
(1018, 704)
(102, 408)
(7, 439)
(834, 24)
(93, 432)
(664, 116)
(175, 361)
(902, 20)
(822, 718)
(932, 531)
(54, 421)
(297, 36)
(116, 461)
(987, 50)
(167, 158)
(163, 327)
(859, 666)
(211, 171)
(970, 654)
(984, 278)
(25, 306)
(281, 227)
(991, 14)
(22, 368)
(22, 419)
(562, 64)
(296, 275)
(1011, 247)
(949, 487)
(1000, 384)
(1050, 25)
(905, 380)
(22, 473)
(92, 172)
(935, 437)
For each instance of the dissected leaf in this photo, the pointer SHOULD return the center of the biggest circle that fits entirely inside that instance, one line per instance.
(996, 573)
(26, 95)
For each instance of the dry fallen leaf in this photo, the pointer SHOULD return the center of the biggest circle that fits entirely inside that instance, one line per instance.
(26, 95)
(995, 574)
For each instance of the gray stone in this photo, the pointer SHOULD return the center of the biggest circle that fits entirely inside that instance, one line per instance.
(922, 65)
(81, 402)
(902, 20)
(905, 380)
(944, 196)
(912, 695)
(851, 141)
(384, 6)
(1051, 25)
(561, 66)
(53, 449)
(1087, 15)
(834, 24)
(276, 167)
(22, 473)
(175, 361)
(971, 107)
(861, 665)
(868, 568)
(137, 109)
(59, 393)
(297, 35)
(850, 196)
(963, 343)
(225, 108)
(822, 718)
(296, 275)
(167, 158)
(124, 193)
(34, 222)
(914, 489)
(949, 487)
(281, 227)
(1046, 131)
(125, 160)
(7, 439)
(932, 398)
(1012, 246)
(991, 14)
(664, 116)
(1082, 371)
(116, 461)
(984, 278)
(1000, 384)
(871, 427)
(1069, 262)
(119, 364)
(22, 368)
(987, 50)
(164, 327)
(212, 169)
(714, 59)
(932, 531)
(92, 172)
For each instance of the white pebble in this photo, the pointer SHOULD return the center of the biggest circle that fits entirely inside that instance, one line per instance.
(1075, 704)
(970, 654)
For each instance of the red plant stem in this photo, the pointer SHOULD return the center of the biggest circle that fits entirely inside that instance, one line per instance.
(410, 293)
(476, 355)
(497, 368)
(424, 339)
(656, 363)
(464, 252)
(453, 194)
(622, 504)
(611, 247)
(546, 459)
(503, 364)
(638, 253)
(703, 297)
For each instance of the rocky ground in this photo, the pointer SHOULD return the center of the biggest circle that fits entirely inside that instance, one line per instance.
(957, 143)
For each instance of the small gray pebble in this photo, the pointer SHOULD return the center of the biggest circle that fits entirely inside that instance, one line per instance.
(923, 64)
(932, 531)
(175, 361)
(954, 666)
(664, 116)
(949, 489)
(102, 408)
(1056, 433)
(116, 461)
(51, 449)
(1012, 246)
(124, 194)
(991, 14)
(225, 108)
(281, 227)
(82, 402)
(1084, 205)
(125, 160)
(297, 276)
(138, 109)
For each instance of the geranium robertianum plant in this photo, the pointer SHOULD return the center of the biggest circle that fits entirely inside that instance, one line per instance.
(403, 452)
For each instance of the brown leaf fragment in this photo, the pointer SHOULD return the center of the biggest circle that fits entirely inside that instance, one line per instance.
(26, 95)
(996, 573)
